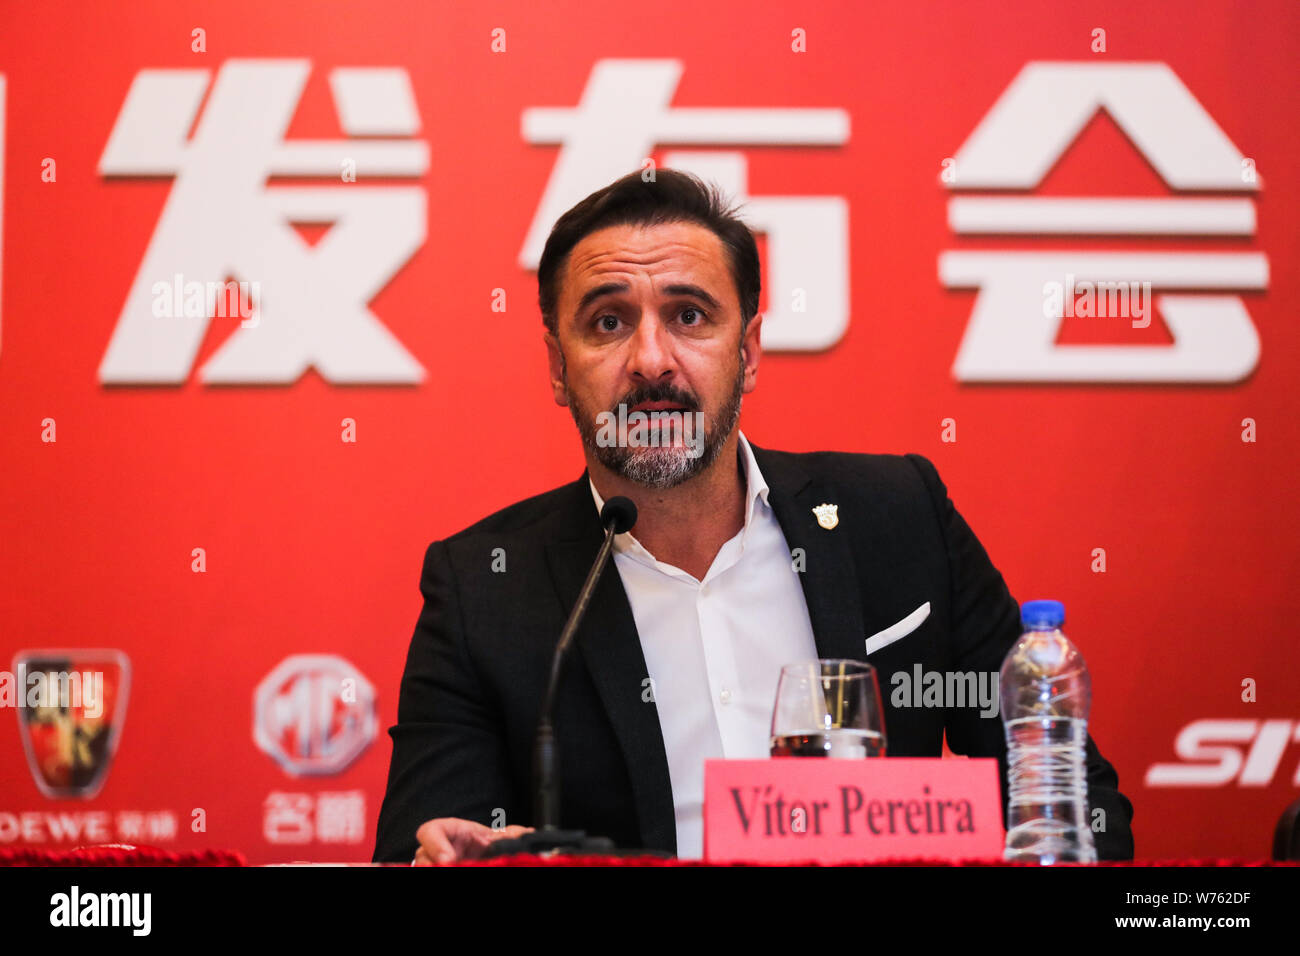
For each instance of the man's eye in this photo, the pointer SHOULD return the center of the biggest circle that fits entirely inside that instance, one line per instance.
(607, 323)
(692, 316)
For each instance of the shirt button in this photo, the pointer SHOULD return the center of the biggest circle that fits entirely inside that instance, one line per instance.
(725, 696)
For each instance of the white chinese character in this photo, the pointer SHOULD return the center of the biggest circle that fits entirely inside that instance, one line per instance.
(221, 220)
(286, 818)
(624, 113)
(161, 825)
(130, 825)
(341, 816)
(1012, 335)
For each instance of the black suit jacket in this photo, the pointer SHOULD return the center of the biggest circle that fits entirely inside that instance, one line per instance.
(477, 667)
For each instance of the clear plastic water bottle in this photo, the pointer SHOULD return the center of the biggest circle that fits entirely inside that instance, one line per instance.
(1046, 693)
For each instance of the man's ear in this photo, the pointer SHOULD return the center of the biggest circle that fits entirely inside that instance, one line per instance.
(556, 363)
(751, 350)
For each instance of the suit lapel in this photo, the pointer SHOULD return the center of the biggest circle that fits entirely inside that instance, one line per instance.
(831, 586)
(609, 645)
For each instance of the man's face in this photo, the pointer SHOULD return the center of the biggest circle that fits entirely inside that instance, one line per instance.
(649, 318)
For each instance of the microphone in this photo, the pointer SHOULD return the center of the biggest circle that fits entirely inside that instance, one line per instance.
(617, 517)
(619, 513)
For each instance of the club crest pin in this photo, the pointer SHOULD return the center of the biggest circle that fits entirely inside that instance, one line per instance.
(827, 515)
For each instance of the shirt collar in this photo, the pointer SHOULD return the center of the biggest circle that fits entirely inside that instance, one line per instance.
(755, 489)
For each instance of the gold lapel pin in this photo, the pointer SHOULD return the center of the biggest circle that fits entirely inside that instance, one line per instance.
(827, 515)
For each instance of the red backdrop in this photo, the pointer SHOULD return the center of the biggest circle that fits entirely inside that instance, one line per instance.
(312, 544)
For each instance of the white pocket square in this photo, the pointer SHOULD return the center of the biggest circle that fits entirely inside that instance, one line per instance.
(903, 628)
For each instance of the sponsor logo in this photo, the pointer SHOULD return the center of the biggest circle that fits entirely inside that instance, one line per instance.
(314, 714)
(71, 717)
(326, 817)
(88, 826)
(1213, 753)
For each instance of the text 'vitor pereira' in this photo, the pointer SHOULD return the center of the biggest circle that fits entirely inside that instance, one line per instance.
(852, 814)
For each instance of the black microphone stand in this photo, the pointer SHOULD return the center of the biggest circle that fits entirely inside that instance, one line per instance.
(618, 516)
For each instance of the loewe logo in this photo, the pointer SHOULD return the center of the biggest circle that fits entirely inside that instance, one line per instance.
(103, 909)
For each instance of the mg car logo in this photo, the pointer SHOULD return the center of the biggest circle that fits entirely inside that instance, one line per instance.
(314, 714)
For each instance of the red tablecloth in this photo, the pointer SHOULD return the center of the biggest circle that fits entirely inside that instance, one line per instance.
(152, 856)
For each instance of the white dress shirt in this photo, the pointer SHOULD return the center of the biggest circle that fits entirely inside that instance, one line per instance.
(714, 649)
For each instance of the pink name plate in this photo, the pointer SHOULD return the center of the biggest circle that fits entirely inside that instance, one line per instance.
(804, 808)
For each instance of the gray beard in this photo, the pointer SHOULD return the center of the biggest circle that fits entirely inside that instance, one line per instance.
(659, 467)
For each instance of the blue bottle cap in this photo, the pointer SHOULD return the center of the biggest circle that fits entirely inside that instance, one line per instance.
(1042, 614)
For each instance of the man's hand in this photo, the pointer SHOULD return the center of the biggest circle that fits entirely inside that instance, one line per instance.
(448, 839)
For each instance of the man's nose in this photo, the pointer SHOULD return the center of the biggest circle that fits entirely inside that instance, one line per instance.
(650, 355)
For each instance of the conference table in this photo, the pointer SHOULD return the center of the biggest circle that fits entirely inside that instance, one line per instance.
(99, 856)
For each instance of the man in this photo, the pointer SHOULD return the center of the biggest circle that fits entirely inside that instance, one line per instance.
(649, 293)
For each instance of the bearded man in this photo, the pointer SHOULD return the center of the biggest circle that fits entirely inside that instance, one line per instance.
(742, 560)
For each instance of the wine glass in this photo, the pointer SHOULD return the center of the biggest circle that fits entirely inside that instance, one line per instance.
(828, 708)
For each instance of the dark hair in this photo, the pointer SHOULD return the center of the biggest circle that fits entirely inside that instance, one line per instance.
(671, 196)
